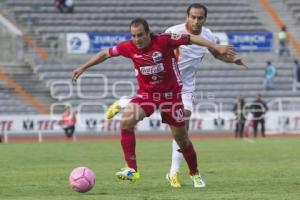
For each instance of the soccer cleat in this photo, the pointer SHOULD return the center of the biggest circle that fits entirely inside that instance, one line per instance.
(128, 174)
(198, 181)
(173, 179)
(112, 110)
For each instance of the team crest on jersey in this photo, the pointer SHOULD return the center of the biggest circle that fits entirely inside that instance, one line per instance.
(156, 56)
(175, 36)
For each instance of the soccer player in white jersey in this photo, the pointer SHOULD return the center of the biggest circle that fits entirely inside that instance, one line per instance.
(189, 59)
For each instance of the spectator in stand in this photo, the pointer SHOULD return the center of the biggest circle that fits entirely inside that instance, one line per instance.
(283, 39)
(68, 121)
(296, 75)
(259, 109)
(270, 73)
(60, 5)
(240, 116)
(64, 5)
(69, 6)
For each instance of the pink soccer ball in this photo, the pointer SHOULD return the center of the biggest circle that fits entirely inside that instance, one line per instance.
(82, 179)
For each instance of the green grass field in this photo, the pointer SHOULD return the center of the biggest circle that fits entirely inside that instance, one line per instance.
(268, 169)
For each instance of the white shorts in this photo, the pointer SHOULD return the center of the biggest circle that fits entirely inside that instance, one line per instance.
(188, 100)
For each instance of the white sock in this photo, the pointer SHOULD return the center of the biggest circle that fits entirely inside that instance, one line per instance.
(177, 158)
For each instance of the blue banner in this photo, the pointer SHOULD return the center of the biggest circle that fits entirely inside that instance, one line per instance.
(83, 43)
(246, 42)
(103, 41)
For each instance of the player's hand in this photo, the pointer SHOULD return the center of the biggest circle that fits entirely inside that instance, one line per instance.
(239, 61)
(76, 73)
(225, 49)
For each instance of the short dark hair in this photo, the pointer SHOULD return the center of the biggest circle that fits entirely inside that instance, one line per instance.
(140, 21)
(196, 5)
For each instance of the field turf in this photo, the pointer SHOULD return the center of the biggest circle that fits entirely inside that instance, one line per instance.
(261, 169)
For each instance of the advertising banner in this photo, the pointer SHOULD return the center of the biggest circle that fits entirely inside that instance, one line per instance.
(84, 43)
(248, 42)
(276, 122)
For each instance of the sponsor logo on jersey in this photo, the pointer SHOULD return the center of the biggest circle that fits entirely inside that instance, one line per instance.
(156, 56)
(153, 69)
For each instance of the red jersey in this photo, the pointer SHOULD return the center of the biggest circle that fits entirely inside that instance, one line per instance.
(156, 66)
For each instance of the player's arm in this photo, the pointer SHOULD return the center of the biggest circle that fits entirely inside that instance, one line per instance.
(228, 58)
(96, 59)
(221, 49)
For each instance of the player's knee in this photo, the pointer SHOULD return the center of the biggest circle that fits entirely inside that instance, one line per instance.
(182, 141)
(127, 124)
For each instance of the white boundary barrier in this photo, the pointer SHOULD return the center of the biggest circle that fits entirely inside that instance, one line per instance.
(39, 135)
(92, 124)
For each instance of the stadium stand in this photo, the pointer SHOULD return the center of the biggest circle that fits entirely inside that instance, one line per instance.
(45, 25)
(294, 6)
(21, 90)
(113, 16)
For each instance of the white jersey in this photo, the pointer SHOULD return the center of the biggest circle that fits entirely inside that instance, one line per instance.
(190, 56)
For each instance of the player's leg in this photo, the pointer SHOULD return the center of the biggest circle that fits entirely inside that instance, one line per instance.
(116, 107)
(173, 115)
(186, 147)
(133, 113)
(177, 157)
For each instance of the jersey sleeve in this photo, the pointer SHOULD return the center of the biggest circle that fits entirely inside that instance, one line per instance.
(119, 50)
(174, 40)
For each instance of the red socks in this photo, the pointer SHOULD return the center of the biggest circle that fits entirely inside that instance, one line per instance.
(190, 156)
(128, 145)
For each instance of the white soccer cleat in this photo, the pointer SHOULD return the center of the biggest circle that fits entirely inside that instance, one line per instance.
(198, 181)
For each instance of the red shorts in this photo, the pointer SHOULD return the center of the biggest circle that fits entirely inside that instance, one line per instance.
(171, 107)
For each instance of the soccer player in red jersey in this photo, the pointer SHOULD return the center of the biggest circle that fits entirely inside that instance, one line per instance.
(159, 88)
